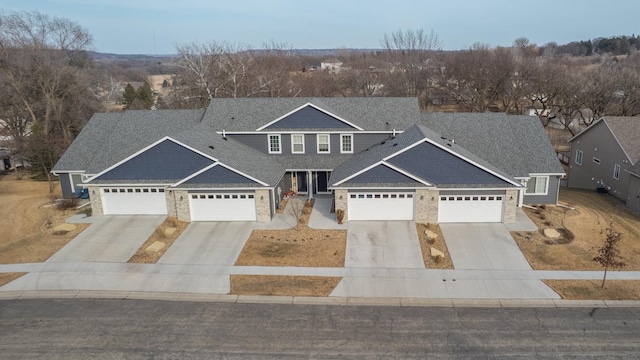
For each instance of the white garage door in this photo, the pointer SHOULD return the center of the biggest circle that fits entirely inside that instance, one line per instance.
(381, 206)
(134, 201)
(223, 207)
(470, 208)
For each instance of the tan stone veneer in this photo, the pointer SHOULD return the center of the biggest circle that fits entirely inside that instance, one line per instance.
(342, 202)
(96, 200)
(426, 206)
(510, 206)
(263, 206)
(180, 204)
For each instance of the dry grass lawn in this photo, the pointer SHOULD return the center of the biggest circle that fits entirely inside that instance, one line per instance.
(6, 278)
(582, 231)
(146, 255)
(298, 246)
(591, 290)
(27, 220)
(283, 285)
(438, 243)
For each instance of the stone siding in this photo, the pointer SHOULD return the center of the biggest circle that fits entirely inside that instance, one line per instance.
(171, 203)
(96, 200)
(263, 206)
(510, 206)
(426, 206)
(342, 202)
(182, 210)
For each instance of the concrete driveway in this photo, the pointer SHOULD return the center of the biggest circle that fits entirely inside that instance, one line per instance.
(209, 243)
(109, 239)
(483, 246)
(383, 244)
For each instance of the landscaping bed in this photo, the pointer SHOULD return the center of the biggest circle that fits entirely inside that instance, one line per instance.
(426, 243)
(592, 290)
(161, 240)
(6, 278)
(283, 285)
(298, 246)
(582, 232)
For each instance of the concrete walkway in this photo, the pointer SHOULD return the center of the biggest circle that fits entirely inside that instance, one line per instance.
(321, 216)
(383, 244)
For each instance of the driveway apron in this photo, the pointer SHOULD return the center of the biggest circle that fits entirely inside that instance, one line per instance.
(383, 244)
(209, 243)
(483, 246)
(109, 239)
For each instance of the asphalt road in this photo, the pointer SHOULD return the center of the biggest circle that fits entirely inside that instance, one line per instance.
(129, 329)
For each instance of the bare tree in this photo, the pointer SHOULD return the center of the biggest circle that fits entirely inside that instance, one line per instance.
(609, 254)
(598, 88)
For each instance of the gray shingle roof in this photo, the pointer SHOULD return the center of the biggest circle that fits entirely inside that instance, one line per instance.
(374, 114)
(627, 130)
(516, 144)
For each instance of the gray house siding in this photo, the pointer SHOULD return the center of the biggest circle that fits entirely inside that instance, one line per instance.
(166, 160)
(256, 141)
(220, 175)
(598, 142)
(309, 118)
(381, 174)
(550, 198)
(440, 167)
(633, 201)
(362, 142)
(65, 185)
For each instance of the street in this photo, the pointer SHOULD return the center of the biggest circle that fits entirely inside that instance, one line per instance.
(132, 329)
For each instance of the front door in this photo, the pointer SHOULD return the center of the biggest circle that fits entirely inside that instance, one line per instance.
(301, 177)
(322, 178)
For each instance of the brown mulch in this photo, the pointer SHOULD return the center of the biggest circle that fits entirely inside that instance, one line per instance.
(298, 246)
(144, 256)
(283, 285)
(582, 232)
(6, 278)
(438, 243)
(592, 290)
(283, 205)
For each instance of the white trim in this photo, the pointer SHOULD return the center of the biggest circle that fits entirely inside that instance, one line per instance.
(221, 189)
(253, 132)
(351, 142)
(68, 172)
(387, 165)
(328, 143)
(421, 188)
(166, 186)
(545, 174)
(145, 149)
(303, 144)
(279, 151)
(302, 107)
(452, 152)
(206, 168)
(546, 186)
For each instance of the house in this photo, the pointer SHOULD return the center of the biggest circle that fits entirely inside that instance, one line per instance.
(607, 155)
(379, 157)
(332, 65)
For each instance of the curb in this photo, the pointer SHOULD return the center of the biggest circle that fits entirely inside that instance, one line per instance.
(307, 300)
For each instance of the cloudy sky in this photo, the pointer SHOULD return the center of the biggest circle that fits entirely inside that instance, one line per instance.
(156, 26)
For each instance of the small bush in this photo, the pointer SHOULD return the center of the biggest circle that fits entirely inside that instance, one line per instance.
(306, 210)
(88, 211)
(538, 211)
(438, 259)
(65, 204)
(431, 241)
(172, 221)
(543, 206)
(547, 223)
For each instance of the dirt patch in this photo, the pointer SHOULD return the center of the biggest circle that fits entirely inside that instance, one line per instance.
(426, 244)
(591, 290)
(6, 278)
(582, 232)
(298, 246)
(283, 205)
(283, 285)
(27, 220)
(158, 243)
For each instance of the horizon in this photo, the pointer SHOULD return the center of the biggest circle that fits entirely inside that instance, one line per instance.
(142, 28)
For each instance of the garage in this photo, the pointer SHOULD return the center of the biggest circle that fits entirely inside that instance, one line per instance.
(223, 206)
(470, 208)
(381, 206)
(134, 201)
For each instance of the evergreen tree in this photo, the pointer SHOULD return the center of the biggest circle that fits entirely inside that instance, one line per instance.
(145, 94)
(129, 95)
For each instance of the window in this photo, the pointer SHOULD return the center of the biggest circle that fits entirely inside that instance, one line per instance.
(578, 157)
(274, 144)
(537, 185)
(346, 144)
(297, 143)
(323, 143)
(616, 171)
(596, 160)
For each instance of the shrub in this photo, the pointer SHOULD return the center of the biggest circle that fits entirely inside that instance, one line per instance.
(65, 204)
(438, 259)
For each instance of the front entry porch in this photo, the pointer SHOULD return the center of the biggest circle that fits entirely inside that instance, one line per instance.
(317, 181)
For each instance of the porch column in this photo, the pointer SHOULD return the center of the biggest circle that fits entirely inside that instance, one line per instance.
(310, 184)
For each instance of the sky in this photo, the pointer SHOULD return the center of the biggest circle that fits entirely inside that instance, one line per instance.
(157, 26)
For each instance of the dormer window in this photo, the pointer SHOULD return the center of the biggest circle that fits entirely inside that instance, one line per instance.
(274, 144)
(323, 143)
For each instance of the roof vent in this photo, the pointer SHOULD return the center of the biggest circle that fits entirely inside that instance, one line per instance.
(453, 141)
(224, 134)
(382, 143)
(211, 147)
(396, 144)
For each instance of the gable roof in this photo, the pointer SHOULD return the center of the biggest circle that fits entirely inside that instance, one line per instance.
(372, 114)
(391, 152)
(516, 144)
(309, 116)
(626, 129)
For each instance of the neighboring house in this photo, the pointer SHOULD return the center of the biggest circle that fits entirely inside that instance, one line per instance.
(380, 158)
(332, 65)
(607, 155)
(5, 159)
